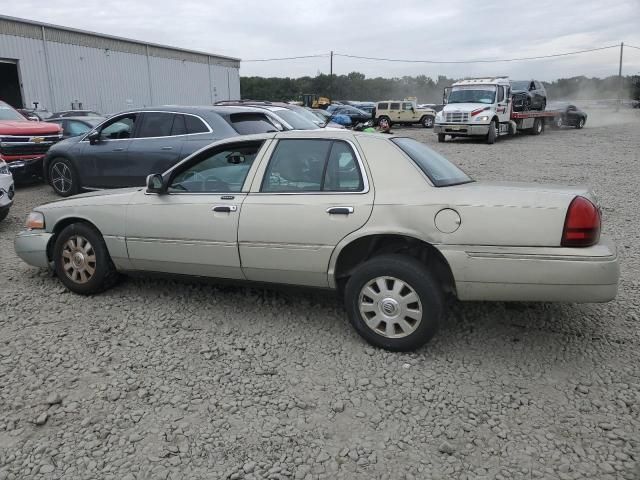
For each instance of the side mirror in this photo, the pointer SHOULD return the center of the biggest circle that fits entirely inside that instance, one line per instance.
(155, 183)
(94, 137)
(235, 158)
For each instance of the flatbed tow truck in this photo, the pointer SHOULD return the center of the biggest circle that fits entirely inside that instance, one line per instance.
(484, 107)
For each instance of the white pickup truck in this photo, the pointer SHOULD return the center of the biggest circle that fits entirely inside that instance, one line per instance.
(483, 107)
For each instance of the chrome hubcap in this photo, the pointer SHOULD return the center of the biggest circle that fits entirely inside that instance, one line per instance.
(390, 307)
(61, 177)
(78, 259)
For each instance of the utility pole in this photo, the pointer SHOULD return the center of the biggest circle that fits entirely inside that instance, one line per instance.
(620, 76)
(331, 74)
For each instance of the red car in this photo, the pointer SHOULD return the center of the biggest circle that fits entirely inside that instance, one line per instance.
(23, 143)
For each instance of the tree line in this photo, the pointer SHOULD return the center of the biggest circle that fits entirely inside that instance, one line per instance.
(355, 86)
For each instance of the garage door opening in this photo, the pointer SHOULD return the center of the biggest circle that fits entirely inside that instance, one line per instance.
(10, 91)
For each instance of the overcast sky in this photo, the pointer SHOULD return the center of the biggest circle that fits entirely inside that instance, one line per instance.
(413, 29)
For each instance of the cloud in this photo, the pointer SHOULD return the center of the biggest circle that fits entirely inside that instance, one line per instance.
(414, 29)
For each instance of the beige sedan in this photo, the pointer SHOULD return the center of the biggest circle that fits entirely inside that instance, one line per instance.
(387, 222)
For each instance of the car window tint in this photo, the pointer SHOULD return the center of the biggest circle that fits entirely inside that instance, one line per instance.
(394, 106)
(217, 171)
(383, 106)
(296, 166)
(179, 127)
(195, 125)
(119, 128)
(407, 106)
(75, 128)
(248, 123)
(342, 173)
(155, 124)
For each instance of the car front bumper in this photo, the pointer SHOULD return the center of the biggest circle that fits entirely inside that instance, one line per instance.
(26, 170)
(581, 275)
(31, 246)
(460, 129)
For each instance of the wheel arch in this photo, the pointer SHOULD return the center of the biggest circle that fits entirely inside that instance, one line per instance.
(64, 222)
(354, 251)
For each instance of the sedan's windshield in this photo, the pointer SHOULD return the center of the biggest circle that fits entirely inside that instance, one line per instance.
(440, 171)
(8, 113)
(303, 112)
(295, 120)
(473, 95)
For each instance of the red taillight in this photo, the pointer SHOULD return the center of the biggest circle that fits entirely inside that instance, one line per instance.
(582, 224)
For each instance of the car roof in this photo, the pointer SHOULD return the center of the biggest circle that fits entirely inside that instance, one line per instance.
(79, 119)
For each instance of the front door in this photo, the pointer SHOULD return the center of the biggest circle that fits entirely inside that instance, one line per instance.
(407, 113)
(308, 197)
(104, 163)
(192, 229)
(503, 107)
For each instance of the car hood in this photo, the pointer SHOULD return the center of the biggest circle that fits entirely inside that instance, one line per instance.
(27, 127)
(96, 198)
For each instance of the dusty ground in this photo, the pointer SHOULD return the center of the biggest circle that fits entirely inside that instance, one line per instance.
(162, 379)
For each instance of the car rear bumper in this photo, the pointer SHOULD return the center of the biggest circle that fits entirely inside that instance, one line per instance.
(26, 170)
(582, 275)
(31, 246)
(459, 129)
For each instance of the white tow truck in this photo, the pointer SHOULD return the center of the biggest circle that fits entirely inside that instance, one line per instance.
(484, 107)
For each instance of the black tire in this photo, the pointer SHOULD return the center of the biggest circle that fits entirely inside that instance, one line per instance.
(492, 134)
(427, 121)
(557, 122)
(441, 137)
(418, 279)
(104, 275)
(63, 177)
(384, 117)
(3, 214)
(538, 127)
(580, 123)
(543, 104)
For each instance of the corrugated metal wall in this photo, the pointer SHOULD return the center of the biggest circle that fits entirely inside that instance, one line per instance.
(111, 75)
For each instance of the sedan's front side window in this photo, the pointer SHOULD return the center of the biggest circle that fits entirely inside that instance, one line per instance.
(217, 171)
(118, 129)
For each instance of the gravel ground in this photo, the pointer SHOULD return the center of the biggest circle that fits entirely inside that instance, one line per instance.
(164, 379)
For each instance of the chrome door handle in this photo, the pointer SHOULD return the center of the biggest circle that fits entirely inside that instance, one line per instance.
(339, 210)
(166, 148)
(224, 208)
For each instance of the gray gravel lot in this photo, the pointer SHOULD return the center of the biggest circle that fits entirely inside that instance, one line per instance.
(163, 379)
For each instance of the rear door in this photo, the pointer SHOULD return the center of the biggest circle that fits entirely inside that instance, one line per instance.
(308, 196)
(157, 146)
(394, 111)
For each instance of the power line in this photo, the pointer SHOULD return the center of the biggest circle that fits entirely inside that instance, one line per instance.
(475, 61)
(627, 45)
(286, 58)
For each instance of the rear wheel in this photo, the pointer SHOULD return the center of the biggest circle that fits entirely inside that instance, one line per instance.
(394, 302)
(63, 177)
(580, 123)
(82, 261)
(441, 137)
(538, 127)
(427, 121)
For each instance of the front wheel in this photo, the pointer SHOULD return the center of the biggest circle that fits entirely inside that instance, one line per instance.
(580, 123)
(492, 135)
(427, 121)
(63, 177)
(82, 261)
(394, 302)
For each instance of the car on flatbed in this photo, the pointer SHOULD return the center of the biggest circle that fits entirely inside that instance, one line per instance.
(24, 143)
(384, 220)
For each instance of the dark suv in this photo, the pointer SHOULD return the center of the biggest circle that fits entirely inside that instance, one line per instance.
(528, 95)
(123, 150)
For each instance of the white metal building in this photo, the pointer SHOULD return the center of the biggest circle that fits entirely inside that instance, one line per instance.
(60, 67)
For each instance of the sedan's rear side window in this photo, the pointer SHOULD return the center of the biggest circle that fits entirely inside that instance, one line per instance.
(313, 165)
(440, 171)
